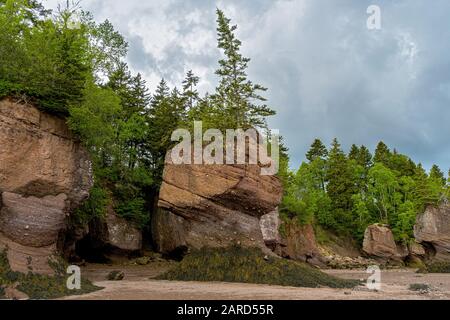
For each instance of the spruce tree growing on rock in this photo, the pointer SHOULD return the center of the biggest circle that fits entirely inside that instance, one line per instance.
(239, 100)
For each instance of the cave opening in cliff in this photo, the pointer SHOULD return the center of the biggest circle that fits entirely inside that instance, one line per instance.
(91, 250)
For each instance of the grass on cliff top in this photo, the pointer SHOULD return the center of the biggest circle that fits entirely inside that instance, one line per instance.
(248, 265)
(37, 286)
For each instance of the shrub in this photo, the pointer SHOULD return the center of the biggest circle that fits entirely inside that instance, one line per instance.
(94, 207)
(133, 210)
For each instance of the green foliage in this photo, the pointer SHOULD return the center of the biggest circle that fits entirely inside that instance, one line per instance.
(248, 265)
(39, 286)
(43, 56)
(94, 207)
(304, 197)
(167, 112)
(317, 151)
(95, 121)
(68, 64)
(437, 175)
(113, 128)
(190, 93)
(406, 219)
(345, 194)
(237, 102)
(362, 217)
(383, 187)
(133, 210)
(438, 267)
(382, 154)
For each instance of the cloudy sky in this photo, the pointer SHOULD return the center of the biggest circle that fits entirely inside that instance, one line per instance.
(328, 75)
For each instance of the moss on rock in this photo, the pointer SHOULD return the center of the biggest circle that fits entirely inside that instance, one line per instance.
(438, 267)
(249, 265)
(38, 286)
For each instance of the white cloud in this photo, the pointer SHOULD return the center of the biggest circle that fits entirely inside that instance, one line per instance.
(328, 76)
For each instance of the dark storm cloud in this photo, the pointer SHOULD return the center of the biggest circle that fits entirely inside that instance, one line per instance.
(328, 75)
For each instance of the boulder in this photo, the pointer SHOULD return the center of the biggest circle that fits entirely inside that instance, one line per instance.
(121, 234)
(416, 249)
(433, 228)
(379, 243)
(213, 205)
(44, 174)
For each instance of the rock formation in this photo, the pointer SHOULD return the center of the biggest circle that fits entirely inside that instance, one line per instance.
(300, 243)
(416, 249)
(379, 243)
(213, 205)
(44, 174)
(270, 228)
(433, 229)
(121, 234)
(102, 239)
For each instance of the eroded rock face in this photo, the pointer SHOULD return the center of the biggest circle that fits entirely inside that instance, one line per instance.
(122, 234)
(270, 228)
(102, 239)
(379, 243)
(416, 249)
(300, 243)
(433, 227)
(32, 221)
(213, 205)
(168, 231)
(44, 174)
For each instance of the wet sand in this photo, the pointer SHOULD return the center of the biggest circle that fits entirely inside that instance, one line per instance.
(138, 285)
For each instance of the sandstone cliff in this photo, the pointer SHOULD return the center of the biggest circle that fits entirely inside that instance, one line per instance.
(300, 243)
(44, 174)
(433, 229)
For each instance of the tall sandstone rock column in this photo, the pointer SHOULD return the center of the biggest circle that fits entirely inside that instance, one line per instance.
(214, 206)
(433, 228)
(44, 175)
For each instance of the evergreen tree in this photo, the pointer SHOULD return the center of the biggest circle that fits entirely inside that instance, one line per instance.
(108, 48)
(238, 99)
(364, 158)
(316, 156)
(402, 165)
(340, 186)
(437, 175)
(426, 191)
(165, 115)
(382, 154)
(119, 81)
(190, 93)
(354, 152)
(317, 150)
